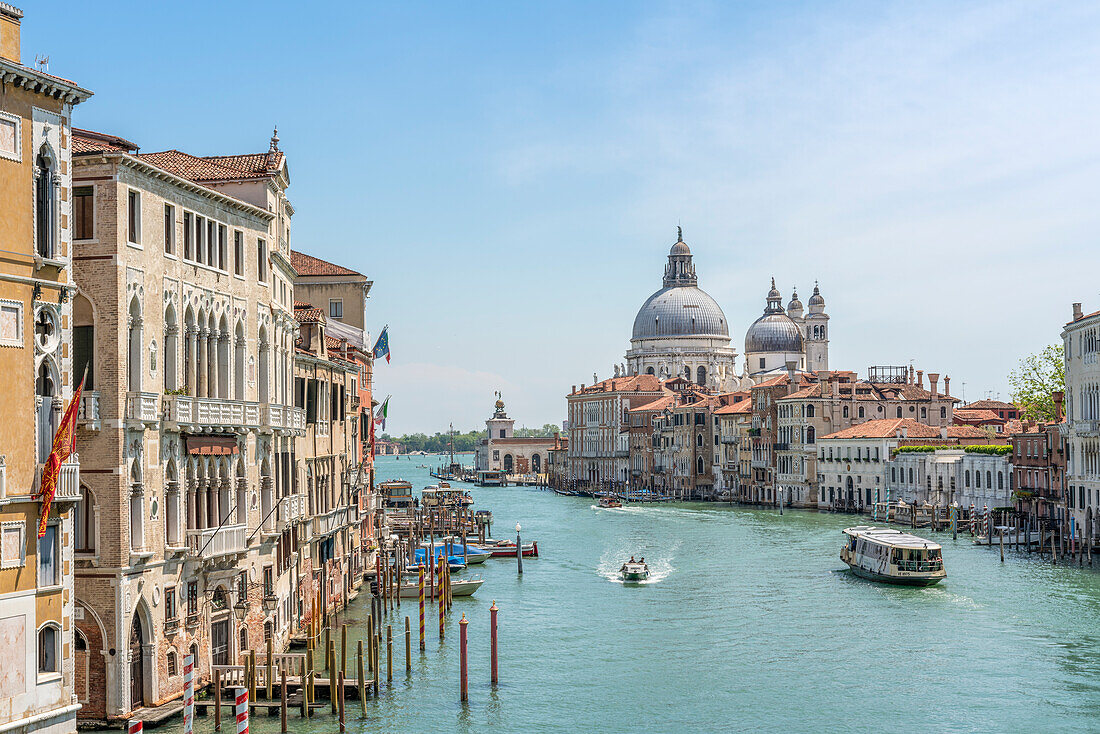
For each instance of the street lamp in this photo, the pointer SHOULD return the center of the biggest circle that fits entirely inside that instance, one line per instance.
(779, 493)
(519, 552)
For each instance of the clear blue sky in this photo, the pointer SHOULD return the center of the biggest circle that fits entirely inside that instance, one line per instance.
(511, 175)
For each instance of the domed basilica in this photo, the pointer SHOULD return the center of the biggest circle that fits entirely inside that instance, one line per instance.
(681, 331)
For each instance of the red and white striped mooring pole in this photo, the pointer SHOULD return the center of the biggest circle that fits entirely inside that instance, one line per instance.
(188, 694)
(134, 727)
(240, 708)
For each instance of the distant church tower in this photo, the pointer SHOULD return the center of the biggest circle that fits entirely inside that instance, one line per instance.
(816, 331)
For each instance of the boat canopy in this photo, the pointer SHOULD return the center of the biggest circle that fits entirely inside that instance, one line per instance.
(890, 537)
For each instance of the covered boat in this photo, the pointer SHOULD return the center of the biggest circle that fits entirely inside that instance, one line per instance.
(634, 571)
(891, 556)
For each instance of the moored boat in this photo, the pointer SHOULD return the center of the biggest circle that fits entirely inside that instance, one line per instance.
(459, 587)
(507, 549)
(891, 556)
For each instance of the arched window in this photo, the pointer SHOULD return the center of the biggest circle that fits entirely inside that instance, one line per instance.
(1000, 480)
(45, 203)
(172, 664)
(239, 356)
(46, 389)
(809, 411)
(943, 412)
(893, 474)
(649, 371)
(265, 349)
(811, 435)
(910, 475)
(978, 480)
(243, 639)
(84, 340)
(989, 480)
(508, 463)
(845, 411)
(171, 349)
(699, 465)
(898, 413)
(133, 352)
(861, 413)
(49, 644)
(966, 478)
(193, 651)
(699, 440)
(137, 506)
(701, 375)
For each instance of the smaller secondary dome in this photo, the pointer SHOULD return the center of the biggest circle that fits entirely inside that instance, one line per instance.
(680, 248)
(773, 332)
(795, 304)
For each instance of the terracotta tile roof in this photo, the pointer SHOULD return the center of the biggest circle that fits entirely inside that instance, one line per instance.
(302, 304)
(974, 416)
(309, 315)
(813, 391)
(990, 405)
(309, 265)
(888, 428)
(253, 164)
(654, 406)
(633, 383)
(743, 406)
(189, 166)
(89, 141)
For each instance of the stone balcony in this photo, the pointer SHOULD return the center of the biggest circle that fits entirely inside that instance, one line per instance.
(220, 415)
(87, 414)
(141, 407)
(213, 543)
(330, 522)
(292, 508)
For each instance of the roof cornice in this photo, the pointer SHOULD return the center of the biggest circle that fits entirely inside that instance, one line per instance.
(41, 83)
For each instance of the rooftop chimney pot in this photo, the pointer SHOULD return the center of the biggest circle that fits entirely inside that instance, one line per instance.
(1077, 313)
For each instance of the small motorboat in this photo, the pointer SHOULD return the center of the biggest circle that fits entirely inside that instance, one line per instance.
(507, 549)
(459, 587)
(609, 502)
(634, 571)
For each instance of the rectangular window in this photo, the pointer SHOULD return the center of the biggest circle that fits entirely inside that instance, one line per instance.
(261, 261)
(269, 581)
(200, 231)
(212, 244)
(223, 262)
(169, 229)
(49, 558)
(13, 544)
(188, 246)
(192, 597)
(335, 308)
(83, 212)
(133, 217)
(11, 323)
(10, 137)
(238, 252)
(169, 602)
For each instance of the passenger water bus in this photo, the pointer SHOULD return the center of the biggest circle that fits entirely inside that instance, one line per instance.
(396, 494)
(891, 556)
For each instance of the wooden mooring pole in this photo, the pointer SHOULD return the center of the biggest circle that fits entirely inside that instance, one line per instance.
(408, 647)
(362, 681)
(217, 700)
(462, 686)
(493, 643)
(282, 700)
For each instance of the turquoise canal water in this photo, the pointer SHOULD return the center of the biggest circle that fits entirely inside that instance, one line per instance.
(750, 624)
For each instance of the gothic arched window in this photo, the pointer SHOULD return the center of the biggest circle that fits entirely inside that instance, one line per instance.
(45, 203)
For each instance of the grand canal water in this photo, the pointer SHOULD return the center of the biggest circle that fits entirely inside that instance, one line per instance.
(750, 625)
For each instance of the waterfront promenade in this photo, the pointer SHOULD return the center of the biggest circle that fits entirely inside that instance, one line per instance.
(750, 625)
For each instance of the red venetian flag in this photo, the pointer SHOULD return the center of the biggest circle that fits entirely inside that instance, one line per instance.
(64, 442)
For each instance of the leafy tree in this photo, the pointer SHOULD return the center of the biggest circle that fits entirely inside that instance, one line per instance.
(1036, 377)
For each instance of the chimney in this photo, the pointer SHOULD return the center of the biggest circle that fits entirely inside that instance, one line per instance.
(792, 384)
(10, 19)
(910, 374)
(1059, 398)
(933, 382)
(1077, 314)
(947, 386)
(920, 379)
(574, 391)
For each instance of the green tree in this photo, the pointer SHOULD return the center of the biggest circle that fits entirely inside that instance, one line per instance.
(1036, 377)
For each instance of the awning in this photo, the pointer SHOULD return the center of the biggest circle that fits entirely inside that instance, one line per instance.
(212, 445)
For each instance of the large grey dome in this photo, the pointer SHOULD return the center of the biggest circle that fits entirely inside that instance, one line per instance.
(773, 332)
(680, 311)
